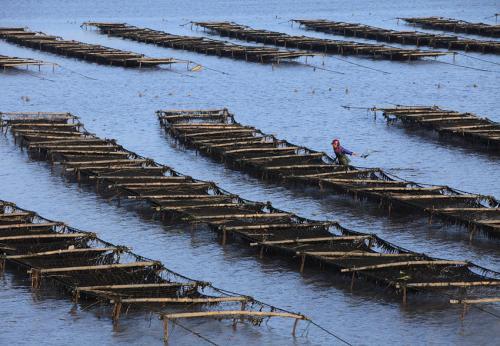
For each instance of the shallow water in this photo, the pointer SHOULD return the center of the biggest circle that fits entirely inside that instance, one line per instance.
(292, 101)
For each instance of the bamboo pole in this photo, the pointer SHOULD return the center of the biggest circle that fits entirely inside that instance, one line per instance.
(311, 240)
(279, 157)
(44, 125)
(402, 264)
(198, 134)
(398, 189)
(35, 144)
(15, 214)
(234, 143)
(188, 197)
(102, 162)
(453, 284)
(226, 140)
(147, 184)
(281, 225)
(451, 210)
(88, 152)
(278, 168)
(475, 301)
(98, 267)
(134, 286)
(183, 208)
(74, 146)
(48, 132)
(413, 197)
(231, 313)
(363, 181)
(181, 300)
(130, 166)
(138, 177)
(47, 236)
(61, 252)
(31, 225)
(248, 150)
(354, 254)
(241, 216)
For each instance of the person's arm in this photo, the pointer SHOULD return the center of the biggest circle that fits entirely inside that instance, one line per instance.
(346, 151)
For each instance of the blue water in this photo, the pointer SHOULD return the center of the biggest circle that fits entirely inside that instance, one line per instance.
(290, 100)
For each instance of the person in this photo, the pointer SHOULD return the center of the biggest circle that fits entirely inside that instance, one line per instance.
(341, 153)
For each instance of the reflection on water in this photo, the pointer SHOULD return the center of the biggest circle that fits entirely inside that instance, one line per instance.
(295, 103)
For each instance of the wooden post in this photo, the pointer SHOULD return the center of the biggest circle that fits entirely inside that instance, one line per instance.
(117, 308)
(471, 235)
(165, 330)
(261, 255)
(302, 263)
(404, 294)
(224, 236)
(464, 311)
(352, 280)
(2, 265)
(243, 306)
(35, 278)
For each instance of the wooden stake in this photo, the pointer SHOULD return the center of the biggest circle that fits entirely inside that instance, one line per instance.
(117, 308)
(302, 262)
(224, 236)
(165, 330)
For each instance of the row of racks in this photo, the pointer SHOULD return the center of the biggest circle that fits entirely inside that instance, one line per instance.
(176, 198)
(308, 46)
(90, 269)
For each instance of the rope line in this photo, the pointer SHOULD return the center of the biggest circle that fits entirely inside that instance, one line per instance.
(463, 66)
(359, 65)
(195, 333)
(80, 74)
(331, 333)
(473, 57)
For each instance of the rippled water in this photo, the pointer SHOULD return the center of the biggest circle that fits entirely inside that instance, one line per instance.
(292, 101)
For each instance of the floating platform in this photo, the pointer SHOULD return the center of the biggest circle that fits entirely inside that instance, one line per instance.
(467, 127)
(320, 45)
(197, 44)
(12, 62)
(403, 37)
(85, 51)
(89, 268)
(217, 134)
(115, 171)
(455, 25)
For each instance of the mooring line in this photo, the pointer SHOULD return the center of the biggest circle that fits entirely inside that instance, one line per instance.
(495, 15)
(31, 73)
(204, 338)
(463, 66)
(208, 68)
(91, 78)
(321, 68)
(330, 333)
(360, 65)
(473, 57)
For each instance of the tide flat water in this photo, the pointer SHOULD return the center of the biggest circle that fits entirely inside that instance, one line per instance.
(294, 102)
